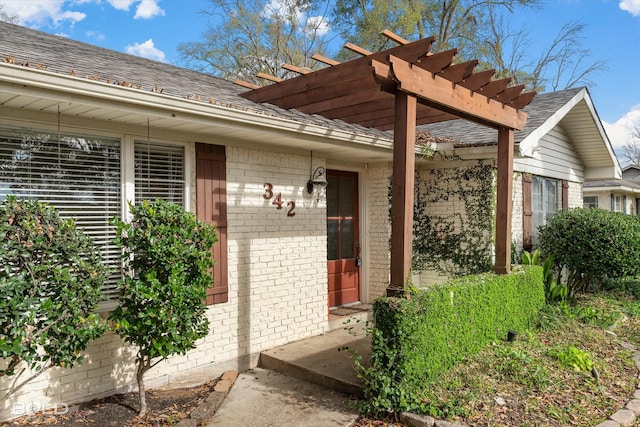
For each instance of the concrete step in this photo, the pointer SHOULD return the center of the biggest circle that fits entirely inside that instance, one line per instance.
(348, 316)
(326, 360)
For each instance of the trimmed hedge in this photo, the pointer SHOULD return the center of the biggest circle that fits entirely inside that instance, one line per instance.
(415, 339)
(592, 245)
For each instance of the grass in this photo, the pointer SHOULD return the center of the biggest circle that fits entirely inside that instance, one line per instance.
(569, 370)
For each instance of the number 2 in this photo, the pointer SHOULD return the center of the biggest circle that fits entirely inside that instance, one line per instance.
(292, 205)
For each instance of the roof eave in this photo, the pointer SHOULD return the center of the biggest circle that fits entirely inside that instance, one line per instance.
(68, 90)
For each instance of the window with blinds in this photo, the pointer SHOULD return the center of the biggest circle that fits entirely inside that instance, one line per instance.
(159, 172)
(79, 175)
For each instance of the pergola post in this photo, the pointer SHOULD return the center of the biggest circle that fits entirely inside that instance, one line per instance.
(404, 137)
(504, 201)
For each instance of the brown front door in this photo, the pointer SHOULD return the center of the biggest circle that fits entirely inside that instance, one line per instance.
(342, 238)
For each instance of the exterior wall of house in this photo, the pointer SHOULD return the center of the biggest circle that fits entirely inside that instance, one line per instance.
(277, 279)
(379, 226)
(604, 200)
(517, 219)
(553, 157)
(445, 208)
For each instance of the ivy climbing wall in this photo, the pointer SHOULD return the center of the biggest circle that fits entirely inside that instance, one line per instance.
(453, 221)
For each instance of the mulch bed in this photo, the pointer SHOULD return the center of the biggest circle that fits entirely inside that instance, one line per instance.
(165, 408)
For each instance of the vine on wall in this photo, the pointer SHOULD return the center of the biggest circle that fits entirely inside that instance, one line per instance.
(454, 241)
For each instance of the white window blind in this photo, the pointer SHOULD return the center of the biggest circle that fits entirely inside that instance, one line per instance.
(544, 203)
(159, 172)
(78, 175)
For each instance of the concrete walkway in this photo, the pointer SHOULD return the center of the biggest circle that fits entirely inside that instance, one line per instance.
(312, 382)
(264, 398)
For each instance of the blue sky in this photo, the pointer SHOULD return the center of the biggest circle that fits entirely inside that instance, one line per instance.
(154, 28)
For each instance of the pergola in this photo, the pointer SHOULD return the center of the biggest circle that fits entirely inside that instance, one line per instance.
(399, 89)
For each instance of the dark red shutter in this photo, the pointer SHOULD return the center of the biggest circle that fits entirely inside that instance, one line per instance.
(527, 212)
(565, 194)
(211, 194)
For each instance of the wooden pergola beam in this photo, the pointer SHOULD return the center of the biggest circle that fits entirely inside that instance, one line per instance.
(307, 100)
(324, 59)
(423, 117)
(327, 77)
(477, 80)
(438, 93)
(269, 77)
(393, 36)
(458, 72)
(438, 61)
(357, 49)
(295, 69)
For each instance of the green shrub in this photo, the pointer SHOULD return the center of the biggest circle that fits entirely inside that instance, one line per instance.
(592, 245)
(417, 338)
(553, 291)
(161, 309)
(50, 279)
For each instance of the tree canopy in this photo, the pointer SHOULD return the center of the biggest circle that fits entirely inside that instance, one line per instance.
(260, 36)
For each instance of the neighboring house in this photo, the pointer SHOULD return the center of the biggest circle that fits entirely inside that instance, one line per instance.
(88, 129)
(615, 195)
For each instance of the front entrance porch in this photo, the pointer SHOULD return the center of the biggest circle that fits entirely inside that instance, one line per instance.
(327, 359)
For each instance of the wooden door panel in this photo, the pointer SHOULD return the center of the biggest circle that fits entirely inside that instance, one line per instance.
(342, 238)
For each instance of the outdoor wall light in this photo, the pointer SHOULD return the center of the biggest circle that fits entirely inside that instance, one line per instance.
(317, 178)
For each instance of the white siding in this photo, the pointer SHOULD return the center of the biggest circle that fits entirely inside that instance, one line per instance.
(554, 157)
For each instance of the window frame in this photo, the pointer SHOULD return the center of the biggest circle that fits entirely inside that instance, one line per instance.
(592, 204)
(126, 185)
(545, 213)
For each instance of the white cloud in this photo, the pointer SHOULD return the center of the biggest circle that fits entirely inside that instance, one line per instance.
(95, 35)
(631, 6)
(148, 9)
(121, 4)
(319, 24)
(38, 12)
(146, 50)
(619, 132)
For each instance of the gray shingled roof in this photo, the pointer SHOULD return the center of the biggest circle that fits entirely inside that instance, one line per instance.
(541, 108)
(614, 183)
(630, 179)
(65, 56)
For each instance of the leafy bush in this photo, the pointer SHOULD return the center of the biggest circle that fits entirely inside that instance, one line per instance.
(50, 277)
(161, 309)
(417, 338)
(553, 291)
(592, 245)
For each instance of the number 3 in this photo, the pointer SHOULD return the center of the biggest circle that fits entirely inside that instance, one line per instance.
(268, 190)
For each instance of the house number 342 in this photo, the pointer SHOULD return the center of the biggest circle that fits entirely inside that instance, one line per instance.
(278, 202)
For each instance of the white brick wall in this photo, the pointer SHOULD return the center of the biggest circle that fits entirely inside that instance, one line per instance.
(379, 228)
(277, 288)
(517, 225)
